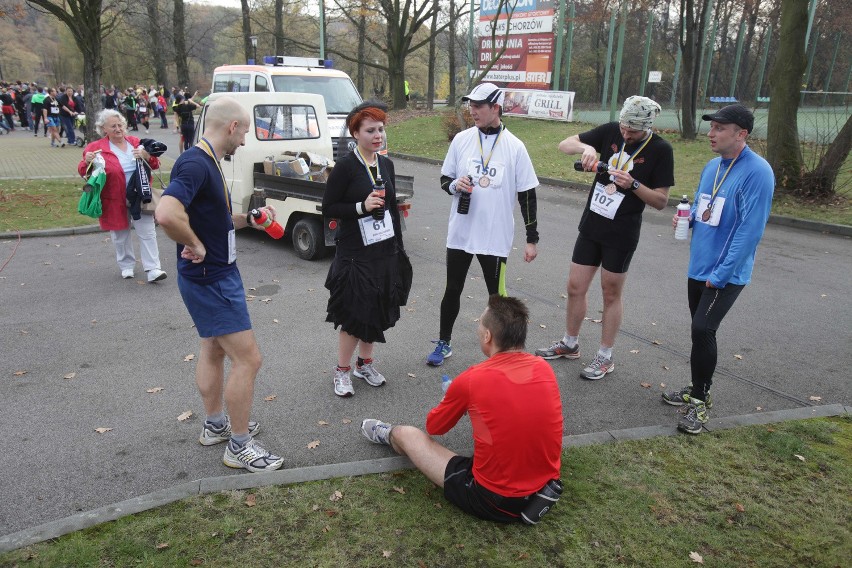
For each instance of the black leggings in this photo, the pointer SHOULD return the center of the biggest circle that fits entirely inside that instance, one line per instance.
(458, 263)
(187, 132)
(708, 307)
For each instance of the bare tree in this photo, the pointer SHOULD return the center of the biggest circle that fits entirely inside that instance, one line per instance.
(692, 25)
(89, 21)
(246, 12)
(178, 25)
(433, 38)
(153, 10)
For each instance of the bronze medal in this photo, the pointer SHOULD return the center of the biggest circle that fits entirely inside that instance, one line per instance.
(706, 215)
(610, 189)
(484, 181)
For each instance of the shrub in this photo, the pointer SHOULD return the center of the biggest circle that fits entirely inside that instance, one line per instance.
(457, 120)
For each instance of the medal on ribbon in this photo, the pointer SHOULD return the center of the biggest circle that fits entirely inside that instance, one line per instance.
(706, 215)
(484, 181)
(610, 188)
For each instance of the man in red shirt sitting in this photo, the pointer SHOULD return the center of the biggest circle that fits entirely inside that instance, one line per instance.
(515, 409)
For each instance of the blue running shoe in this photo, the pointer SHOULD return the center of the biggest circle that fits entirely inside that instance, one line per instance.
(441, 352)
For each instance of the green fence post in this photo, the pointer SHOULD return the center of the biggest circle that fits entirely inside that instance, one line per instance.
(608, 60)
(617, 77)
(763, 59)
(827, 87)
(737, 59)
(560, 31)
(647, 53)
(569, 46)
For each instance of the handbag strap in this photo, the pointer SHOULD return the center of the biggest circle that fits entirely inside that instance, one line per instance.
(160, 179)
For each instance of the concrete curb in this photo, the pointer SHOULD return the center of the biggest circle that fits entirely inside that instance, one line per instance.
(804, 224)
(63, 232)
(60, 527)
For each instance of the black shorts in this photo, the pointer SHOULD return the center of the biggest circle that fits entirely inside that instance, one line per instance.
(462, 490)
(589, 252)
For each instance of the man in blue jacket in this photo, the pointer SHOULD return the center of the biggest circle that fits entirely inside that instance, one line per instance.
(728, 217)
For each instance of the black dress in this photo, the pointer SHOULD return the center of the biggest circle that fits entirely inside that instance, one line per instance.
(363, 280)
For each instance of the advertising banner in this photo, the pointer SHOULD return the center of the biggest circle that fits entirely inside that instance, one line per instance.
(527, 60)
(552, 105)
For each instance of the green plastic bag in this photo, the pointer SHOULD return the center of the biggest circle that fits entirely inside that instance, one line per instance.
(90, 201)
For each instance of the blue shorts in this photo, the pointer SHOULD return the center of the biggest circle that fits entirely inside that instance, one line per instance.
(53, 121)
(218, 308)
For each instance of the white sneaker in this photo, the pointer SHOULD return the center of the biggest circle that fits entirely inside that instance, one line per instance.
(156, 275)
(342, 383)
(127, 273)
(252, 457)
(369, 374)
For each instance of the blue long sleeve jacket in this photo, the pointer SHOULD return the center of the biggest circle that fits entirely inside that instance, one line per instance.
(724, 253)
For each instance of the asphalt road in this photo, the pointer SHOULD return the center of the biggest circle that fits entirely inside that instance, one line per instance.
(65, 312)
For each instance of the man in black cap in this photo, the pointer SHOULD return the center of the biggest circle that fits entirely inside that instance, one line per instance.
(728, 217)
(495, 162)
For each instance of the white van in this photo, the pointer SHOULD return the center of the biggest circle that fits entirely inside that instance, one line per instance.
(297, 75)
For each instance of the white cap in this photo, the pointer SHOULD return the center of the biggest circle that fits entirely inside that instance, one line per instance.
(485, 93)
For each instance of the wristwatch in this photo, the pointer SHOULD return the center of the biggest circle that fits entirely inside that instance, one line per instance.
(636, 184)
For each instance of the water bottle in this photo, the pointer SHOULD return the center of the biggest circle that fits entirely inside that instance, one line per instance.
(272, 227)
(600, 168)
(682, 229)
(464, 200)
(445, 383)
(541, 502)
(379, 187)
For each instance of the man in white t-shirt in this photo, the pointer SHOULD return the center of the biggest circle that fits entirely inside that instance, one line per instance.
(486, 169)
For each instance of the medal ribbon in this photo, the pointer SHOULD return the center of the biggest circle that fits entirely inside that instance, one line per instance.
(619, 165)
(716, 178)
(364, 161)
(207, 148)
(491, 153)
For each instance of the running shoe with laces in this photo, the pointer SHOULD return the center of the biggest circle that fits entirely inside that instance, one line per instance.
(252, 457)
(376, 431)
(557, 350)
(598, 368)
(342, 383)
(695, 417)
(211, 436)
(369, 374)
(442, 351)
(681, 397)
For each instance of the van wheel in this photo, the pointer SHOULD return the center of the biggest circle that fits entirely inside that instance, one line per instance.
(308, 241)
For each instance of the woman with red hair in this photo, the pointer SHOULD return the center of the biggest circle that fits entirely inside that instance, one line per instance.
(364, 281)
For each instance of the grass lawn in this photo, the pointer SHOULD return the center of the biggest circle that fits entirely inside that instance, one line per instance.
(425, 136)
(40, 204)
(759, 496)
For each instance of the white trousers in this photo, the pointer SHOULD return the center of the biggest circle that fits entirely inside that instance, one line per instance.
(147, 234)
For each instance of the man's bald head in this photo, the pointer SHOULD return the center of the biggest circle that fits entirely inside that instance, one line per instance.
(222, 112)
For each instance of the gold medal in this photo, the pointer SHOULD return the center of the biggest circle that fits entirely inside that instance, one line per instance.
(484, 181)
(706, 215)
(610, 189)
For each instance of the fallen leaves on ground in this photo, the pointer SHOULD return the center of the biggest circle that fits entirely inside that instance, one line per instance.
(70, 376)
(162, 546)
(798, 457)
(662, 385)
(739, 507)
(738, 357)
(758, 408)
(347, 421)
(695, 557)
(196, 562)
(336, 496)
(665, 368)
(645, 385)
(810, 398)
(102, 430)
(251, 500)
(20, 373)
(24, 332)
(597, 321)
(274, 321)
(184, 416)
(634, 351)
(400, 490)
(94, 322)
(412, 375)
(270, 398)
(542, 326)
(386, 553)
(657, 342)
(189, 357)
(313, 445)
(322, 423)
(155, 390)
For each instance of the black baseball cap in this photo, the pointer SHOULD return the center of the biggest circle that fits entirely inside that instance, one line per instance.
(733, 114)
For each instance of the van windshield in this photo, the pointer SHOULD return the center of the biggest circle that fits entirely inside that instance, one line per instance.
(339, 93)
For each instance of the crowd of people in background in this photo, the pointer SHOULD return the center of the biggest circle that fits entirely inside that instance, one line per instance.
(60, 111)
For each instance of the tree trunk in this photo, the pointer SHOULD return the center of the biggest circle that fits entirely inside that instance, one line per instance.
(279, 27)
(246, 13)
(822, 181)
(159, 62)
(782, 149)
(693, 22)
(430, 81)
(362, 35)
(451, 39)
(180, 44)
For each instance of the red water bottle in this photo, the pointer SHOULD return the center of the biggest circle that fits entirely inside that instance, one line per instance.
(271, 226)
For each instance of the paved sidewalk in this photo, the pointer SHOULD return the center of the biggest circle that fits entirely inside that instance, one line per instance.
(23, 155)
